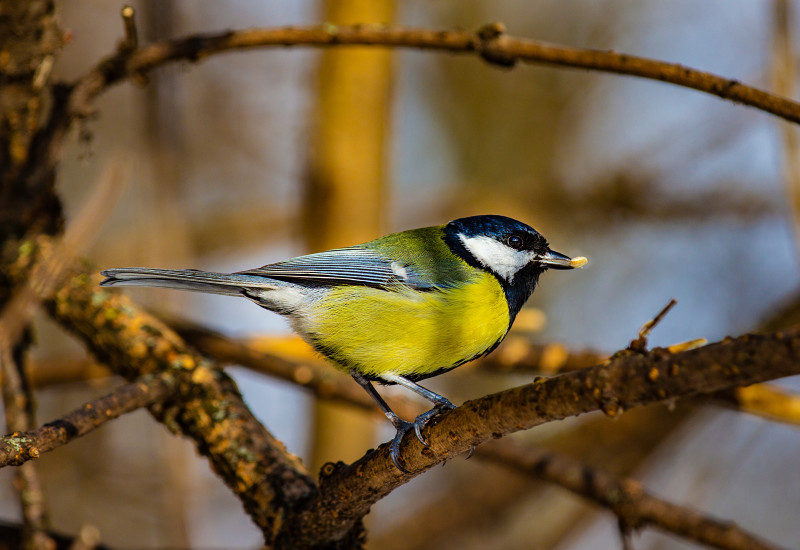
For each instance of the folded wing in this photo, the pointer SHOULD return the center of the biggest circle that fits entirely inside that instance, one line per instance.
(343, 266)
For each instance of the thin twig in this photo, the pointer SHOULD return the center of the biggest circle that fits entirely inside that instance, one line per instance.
(16, 400)
(640, 343)
(18, 448)
(625, 536)
(46, 372)
(75, 100)
(131, 40)
(34, 510)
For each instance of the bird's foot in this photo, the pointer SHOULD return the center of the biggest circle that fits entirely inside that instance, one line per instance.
(422, 420)
(402, 428)
(471, 452)
(418, 425)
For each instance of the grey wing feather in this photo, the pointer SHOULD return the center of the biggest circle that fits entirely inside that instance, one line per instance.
(349, 266)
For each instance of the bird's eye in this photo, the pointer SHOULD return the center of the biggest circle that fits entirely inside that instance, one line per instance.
(514, 241)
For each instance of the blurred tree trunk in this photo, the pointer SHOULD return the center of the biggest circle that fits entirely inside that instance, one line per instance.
(345, 193)
(29, 39)
(784, 82)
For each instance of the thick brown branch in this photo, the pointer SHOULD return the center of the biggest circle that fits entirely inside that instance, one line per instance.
(634, 507)
(520, 355)
(628, 380)
(18, 448)
(207, 407)
(619, 446)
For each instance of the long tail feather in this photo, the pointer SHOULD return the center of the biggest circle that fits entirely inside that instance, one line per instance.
(229, 284)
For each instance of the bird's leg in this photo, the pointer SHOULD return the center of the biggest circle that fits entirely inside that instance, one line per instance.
(440, 403)
(399, 424)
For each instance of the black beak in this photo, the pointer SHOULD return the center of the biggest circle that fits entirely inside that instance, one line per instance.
(555, 260)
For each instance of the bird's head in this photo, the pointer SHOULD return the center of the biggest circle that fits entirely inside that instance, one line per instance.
(503, 246)
(514, 252)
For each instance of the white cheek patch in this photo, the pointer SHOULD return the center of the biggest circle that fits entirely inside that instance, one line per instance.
(494, 255)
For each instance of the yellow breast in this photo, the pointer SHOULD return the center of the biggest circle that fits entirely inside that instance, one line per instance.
(405, 332)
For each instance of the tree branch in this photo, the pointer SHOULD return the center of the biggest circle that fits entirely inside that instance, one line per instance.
(131, 40)
(208, 407)
(490, 42)
(625, 497)
(74, 101)
(471, 503)
(628, 380)
(635, 508)
(17, 397)
(17, 448)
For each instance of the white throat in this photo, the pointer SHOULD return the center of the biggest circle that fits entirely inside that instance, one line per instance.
(496, 256)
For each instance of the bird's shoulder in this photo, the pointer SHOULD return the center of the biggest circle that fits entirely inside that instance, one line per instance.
(424, 252)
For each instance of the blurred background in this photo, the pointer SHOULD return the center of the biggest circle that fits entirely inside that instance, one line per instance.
(249, 158)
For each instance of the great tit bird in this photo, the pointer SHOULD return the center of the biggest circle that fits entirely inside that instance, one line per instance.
(395, 310)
